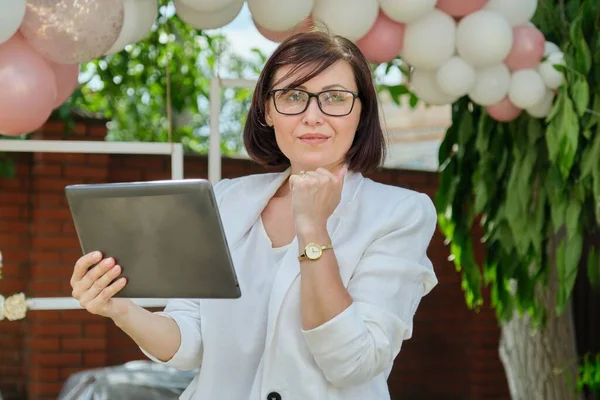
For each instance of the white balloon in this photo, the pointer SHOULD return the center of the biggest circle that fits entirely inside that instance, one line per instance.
(349, 18)
(552, 78)
(491, 85)
(206, 5)
(430, 41)
(542, 108)
(517, 12)
(407, 11)
(280, 15)
(424, 84)
(138, 18)
(208, 20)
(12, 13)
(484, 38)
(526, 88)
(550, 47)
(455, 77)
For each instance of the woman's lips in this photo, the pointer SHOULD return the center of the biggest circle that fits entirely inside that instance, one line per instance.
(314, 138)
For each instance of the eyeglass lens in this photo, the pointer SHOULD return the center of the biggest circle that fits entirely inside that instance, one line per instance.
(332, 102)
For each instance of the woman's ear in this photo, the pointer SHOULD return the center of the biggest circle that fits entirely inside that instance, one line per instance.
(268, 119)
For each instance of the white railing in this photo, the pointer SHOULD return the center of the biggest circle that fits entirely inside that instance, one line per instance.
(15, 306)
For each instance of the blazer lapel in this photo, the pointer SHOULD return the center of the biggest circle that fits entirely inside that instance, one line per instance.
(289, 269)
(240, 212)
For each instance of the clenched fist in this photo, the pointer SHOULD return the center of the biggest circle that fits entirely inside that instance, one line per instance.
(315, 195)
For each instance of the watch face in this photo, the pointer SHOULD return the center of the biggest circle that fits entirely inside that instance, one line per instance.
(313, 251)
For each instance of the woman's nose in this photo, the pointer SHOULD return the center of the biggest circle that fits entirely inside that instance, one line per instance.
(313, 113)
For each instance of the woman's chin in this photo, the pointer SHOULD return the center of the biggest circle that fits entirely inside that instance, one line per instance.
(311, 164)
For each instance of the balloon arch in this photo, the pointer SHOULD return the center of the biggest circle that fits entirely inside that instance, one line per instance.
(485, 49)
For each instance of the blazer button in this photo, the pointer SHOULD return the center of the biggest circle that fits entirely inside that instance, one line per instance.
(273, 396)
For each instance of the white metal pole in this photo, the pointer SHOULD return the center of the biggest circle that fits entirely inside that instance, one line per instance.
(177, 162)
(69, 303)
(80, 146)
(214, 148)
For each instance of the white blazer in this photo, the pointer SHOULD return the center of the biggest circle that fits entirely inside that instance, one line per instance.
(380, 235)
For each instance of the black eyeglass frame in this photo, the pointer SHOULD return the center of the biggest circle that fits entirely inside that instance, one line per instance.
(316, 96)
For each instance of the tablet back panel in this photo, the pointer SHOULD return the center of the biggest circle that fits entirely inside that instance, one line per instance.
(166, 235)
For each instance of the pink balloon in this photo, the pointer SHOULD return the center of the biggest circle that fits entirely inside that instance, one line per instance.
(28, 87)
(66, 81)
(528, 48)
(504, 111)
(384, 41)
(280, 36)
(460, 8)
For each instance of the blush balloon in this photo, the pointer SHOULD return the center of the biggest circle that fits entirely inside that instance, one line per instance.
(460, 8)
(504, 111)
(28, 87)
(66, 81)
(280, 36)
(384, 41)
(528, 48)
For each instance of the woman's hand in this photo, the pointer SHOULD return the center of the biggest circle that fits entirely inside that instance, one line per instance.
(315, 195)
(93, 288)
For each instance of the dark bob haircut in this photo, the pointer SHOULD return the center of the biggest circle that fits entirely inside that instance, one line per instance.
(316, 51)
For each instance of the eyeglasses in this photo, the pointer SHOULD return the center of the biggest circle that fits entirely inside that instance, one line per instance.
(335, 103)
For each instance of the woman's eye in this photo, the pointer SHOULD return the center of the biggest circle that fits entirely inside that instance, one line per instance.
(293, 96)
(335, 97)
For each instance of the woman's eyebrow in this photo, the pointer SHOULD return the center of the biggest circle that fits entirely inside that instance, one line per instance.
(335, 85)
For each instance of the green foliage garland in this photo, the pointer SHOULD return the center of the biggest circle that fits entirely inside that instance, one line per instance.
(532, 184)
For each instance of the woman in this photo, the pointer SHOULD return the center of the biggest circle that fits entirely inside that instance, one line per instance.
(331, 265)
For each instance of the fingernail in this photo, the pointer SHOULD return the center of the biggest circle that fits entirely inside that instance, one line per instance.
(97, 255)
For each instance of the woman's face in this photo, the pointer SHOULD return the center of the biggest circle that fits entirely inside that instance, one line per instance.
(313, 139)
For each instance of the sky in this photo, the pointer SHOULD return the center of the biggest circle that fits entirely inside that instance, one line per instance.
(243, 36)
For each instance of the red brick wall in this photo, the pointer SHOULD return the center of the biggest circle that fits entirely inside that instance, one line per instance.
(453, 354)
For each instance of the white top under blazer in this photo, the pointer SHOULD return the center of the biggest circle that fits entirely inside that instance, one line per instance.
(254, 347)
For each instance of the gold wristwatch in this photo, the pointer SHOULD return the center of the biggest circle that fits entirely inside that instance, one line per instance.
(313, 251)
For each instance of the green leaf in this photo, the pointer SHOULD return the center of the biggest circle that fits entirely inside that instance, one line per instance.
(567, 257)
(481, 192)
(593, 268)
(413, 101)
(396, 92)
(562, 135)
(591, 157)
(553, 134)
(534, 130)
(484, 131)
(583, 56)
(580, 92)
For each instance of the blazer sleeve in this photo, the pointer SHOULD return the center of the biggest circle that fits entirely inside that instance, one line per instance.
(186, 313)
(386, 287)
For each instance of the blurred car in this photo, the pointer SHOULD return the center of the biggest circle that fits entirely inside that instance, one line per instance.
(135, 380)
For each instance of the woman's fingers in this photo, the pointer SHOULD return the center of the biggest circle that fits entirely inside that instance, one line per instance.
(99, 285)
(92, 275)
(99, 304)
(83, 264)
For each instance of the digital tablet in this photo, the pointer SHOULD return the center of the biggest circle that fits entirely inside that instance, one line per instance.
(167, 236)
